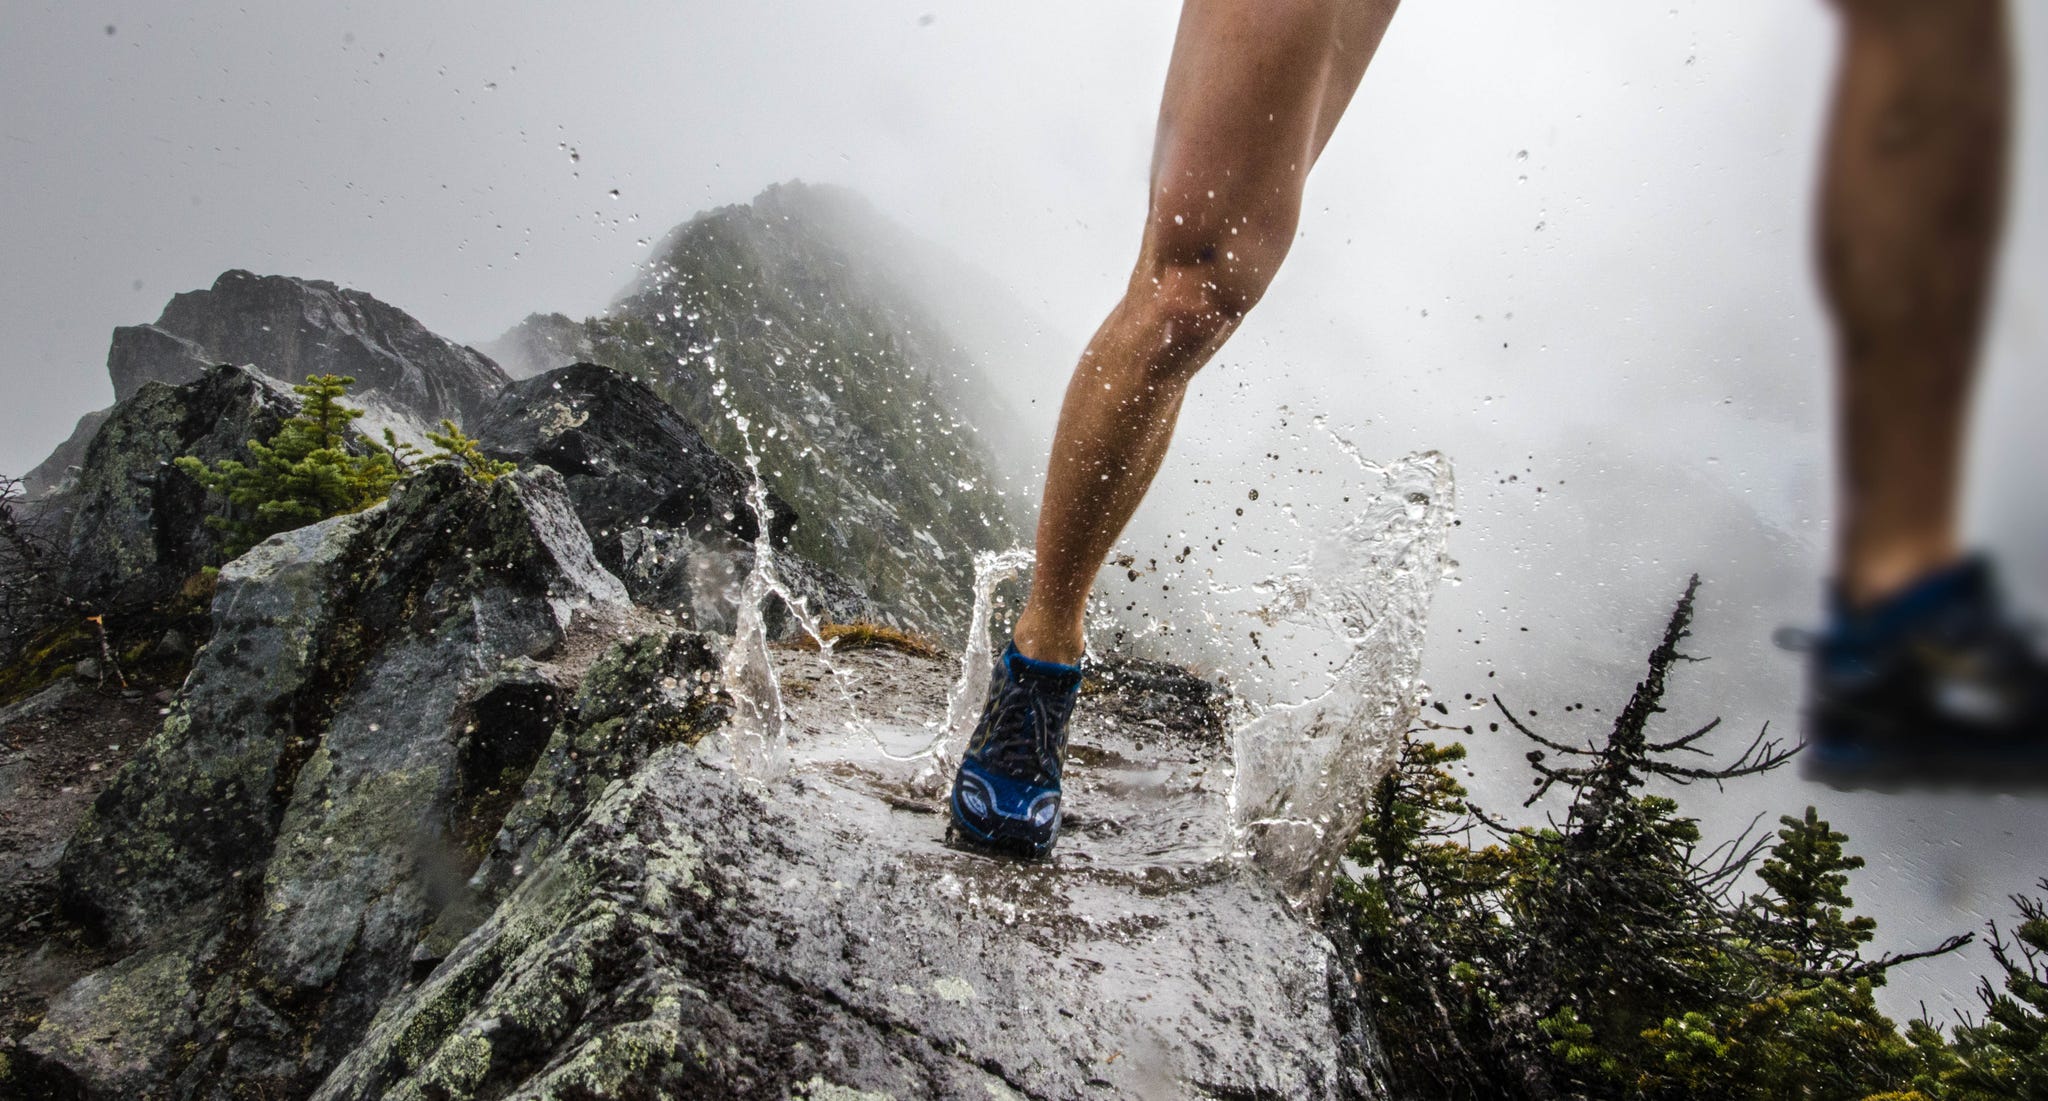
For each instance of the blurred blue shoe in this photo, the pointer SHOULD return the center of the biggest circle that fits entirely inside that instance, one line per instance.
(1935, 684)
(1006, 796)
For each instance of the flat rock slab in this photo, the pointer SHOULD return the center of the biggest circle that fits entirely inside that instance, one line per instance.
(705, 935)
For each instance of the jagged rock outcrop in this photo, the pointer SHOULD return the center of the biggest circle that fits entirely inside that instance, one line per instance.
(61, 464)
(630, 460)
(377, 688)
(288, 328)
(131, 525)
(151, 353)
(446, 806)
(436, 816)
(852, 396)
(665, 512)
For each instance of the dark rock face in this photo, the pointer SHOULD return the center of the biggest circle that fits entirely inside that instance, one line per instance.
(134, 525)
(630, 460)
(148, 353)
(665, 512)
(377, 688)
(642, 695)
(289, 328)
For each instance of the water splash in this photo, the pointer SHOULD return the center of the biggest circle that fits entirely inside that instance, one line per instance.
(1357, 607)
(977, 664)
(757, 739)
(1320, 710)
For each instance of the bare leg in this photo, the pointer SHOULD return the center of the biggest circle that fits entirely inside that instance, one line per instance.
(1252, 93)
(1911, 206)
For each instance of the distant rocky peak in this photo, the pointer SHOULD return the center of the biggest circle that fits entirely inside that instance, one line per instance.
(288, 328)
(539, 344)
(775, 328)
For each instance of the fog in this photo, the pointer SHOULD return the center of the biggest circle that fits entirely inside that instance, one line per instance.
(1565, 244)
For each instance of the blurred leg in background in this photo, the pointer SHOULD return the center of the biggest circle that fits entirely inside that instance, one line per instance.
(1911, 207)
(1920, 668)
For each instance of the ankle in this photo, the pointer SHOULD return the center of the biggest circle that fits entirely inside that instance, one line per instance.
(1874, 579)
(1034, 641)
(1964, 586)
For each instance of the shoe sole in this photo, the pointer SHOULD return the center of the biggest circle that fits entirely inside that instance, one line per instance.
(960, 835)
(1890, 774)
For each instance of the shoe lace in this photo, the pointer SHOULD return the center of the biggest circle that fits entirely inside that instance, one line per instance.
(1019, 738)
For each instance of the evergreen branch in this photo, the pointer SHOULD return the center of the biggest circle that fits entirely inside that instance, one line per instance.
(1866, 968)
(1576, 751)
(1686, 743)
(1501, 828)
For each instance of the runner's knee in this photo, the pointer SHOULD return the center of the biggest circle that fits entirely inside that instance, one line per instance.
(1191, 307)
(1193, 297)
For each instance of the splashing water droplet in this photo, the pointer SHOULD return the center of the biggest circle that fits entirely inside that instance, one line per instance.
(1305, 769)
(755, 739)
(977, 664)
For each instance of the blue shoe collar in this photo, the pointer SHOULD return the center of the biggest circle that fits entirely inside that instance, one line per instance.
(1967, 584)
(1051, 673)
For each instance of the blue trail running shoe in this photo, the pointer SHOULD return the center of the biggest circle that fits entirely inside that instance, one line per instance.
(1006, 796)
(1935, 684)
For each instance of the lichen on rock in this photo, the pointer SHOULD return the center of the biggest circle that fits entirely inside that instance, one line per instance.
(698, 935)
(307, 794)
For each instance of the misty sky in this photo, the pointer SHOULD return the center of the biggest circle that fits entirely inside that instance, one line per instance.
(1561, 241)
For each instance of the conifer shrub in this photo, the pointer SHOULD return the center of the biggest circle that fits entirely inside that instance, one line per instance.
(30, 589)
(316, 467)
(1613, 953)
(305, 473)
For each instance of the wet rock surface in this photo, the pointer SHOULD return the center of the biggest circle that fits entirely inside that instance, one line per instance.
(423, 836)
(445, 808)
(700, 580)
(705, 936)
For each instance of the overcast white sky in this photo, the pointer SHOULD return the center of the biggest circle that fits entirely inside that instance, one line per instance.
(1565, 241)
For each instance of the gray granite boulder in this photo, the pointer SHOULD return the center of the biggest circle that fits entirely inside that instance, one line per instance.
(131, 526)
(376, 690)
